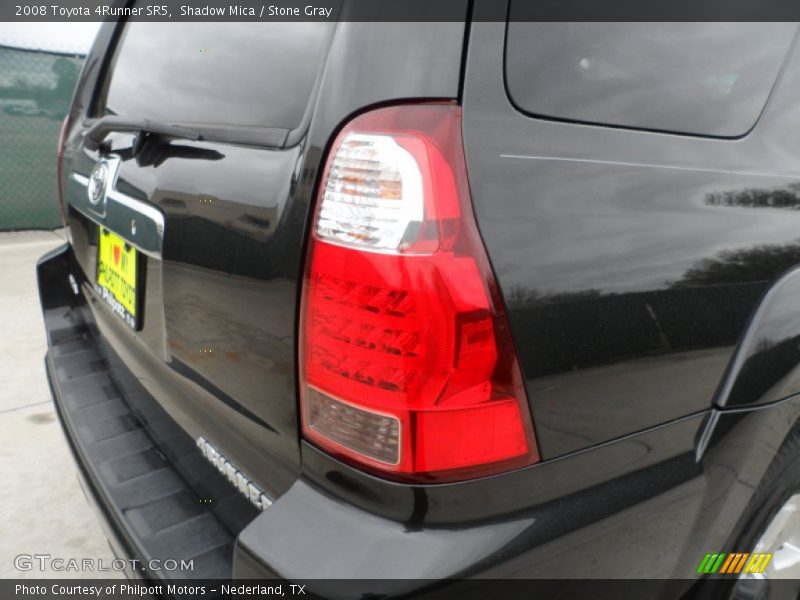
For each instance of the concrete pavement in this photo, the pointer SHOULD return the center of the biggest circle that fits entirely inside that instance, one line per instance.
(42, 507)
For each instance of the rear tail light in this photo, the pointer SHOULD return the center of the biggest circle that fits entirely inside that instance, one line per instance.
(407, 364)
(62, 139)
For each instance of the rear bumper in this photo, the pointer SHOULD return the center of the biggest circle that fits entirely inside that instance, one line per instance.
(144, 475)
(112, 536)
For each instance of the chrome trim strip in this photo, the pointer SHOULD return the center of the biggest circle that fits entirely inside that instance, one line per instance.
(140, 207)
(137, 222)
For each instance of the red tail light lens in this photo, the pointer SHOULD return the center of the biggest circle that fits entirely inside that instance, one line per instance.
(62, 138)
(407, 364)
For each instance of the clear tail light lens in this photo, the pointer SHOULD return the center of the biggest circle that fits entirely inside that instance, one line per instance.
(407, 364)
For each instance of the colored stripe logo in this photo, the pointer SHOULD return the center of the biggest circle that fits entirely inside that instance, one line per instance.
(734, 563)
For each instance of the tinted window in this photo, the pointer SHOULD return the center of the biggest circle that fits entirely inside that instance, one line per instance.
(700, 78)
(252, 74)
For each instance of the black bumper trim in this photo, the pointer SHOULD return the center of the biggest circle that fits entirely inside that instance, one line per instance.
(157, 496)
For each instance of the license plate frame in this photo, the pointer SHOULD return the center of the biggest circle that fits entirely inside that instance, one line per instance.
(117, 281)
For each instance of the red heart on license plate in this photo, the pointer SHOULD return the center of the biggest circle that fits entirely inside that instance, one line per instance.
(116, 254)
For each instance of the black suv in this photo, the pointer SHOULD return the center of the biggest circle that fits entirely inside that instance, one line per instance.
(432, 300)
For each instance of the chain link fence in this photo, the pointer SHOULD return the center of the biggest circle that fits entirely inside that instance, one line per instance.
(35, 91)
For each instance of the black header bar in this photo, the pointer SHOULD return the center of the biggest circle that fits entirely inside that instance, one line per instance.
(399, 10)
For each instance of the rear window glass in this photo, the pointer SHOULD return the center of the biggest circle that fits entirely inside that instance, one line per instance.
(241, 74)
(696, 78)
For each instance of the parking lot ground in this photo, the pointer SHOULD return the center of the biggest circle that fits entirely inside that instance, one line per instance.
(42, 507)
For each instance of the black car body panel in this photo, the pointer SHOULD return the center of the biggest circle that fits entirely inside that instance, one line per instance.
(648, 284)
(627, 278)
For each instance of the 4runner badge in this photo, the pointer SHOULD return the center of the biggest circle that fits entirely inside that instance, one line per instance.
(234, 475)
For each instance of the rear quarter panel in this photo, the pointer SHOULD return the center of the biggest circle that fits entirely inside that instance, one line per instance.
(628, 283)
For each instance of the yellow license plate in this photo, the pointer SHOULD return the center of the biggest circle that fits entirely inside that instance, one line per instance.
(117, 272)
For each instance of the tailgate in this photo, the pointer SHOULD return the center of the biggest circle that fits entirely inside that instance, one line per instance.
(210, 225)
